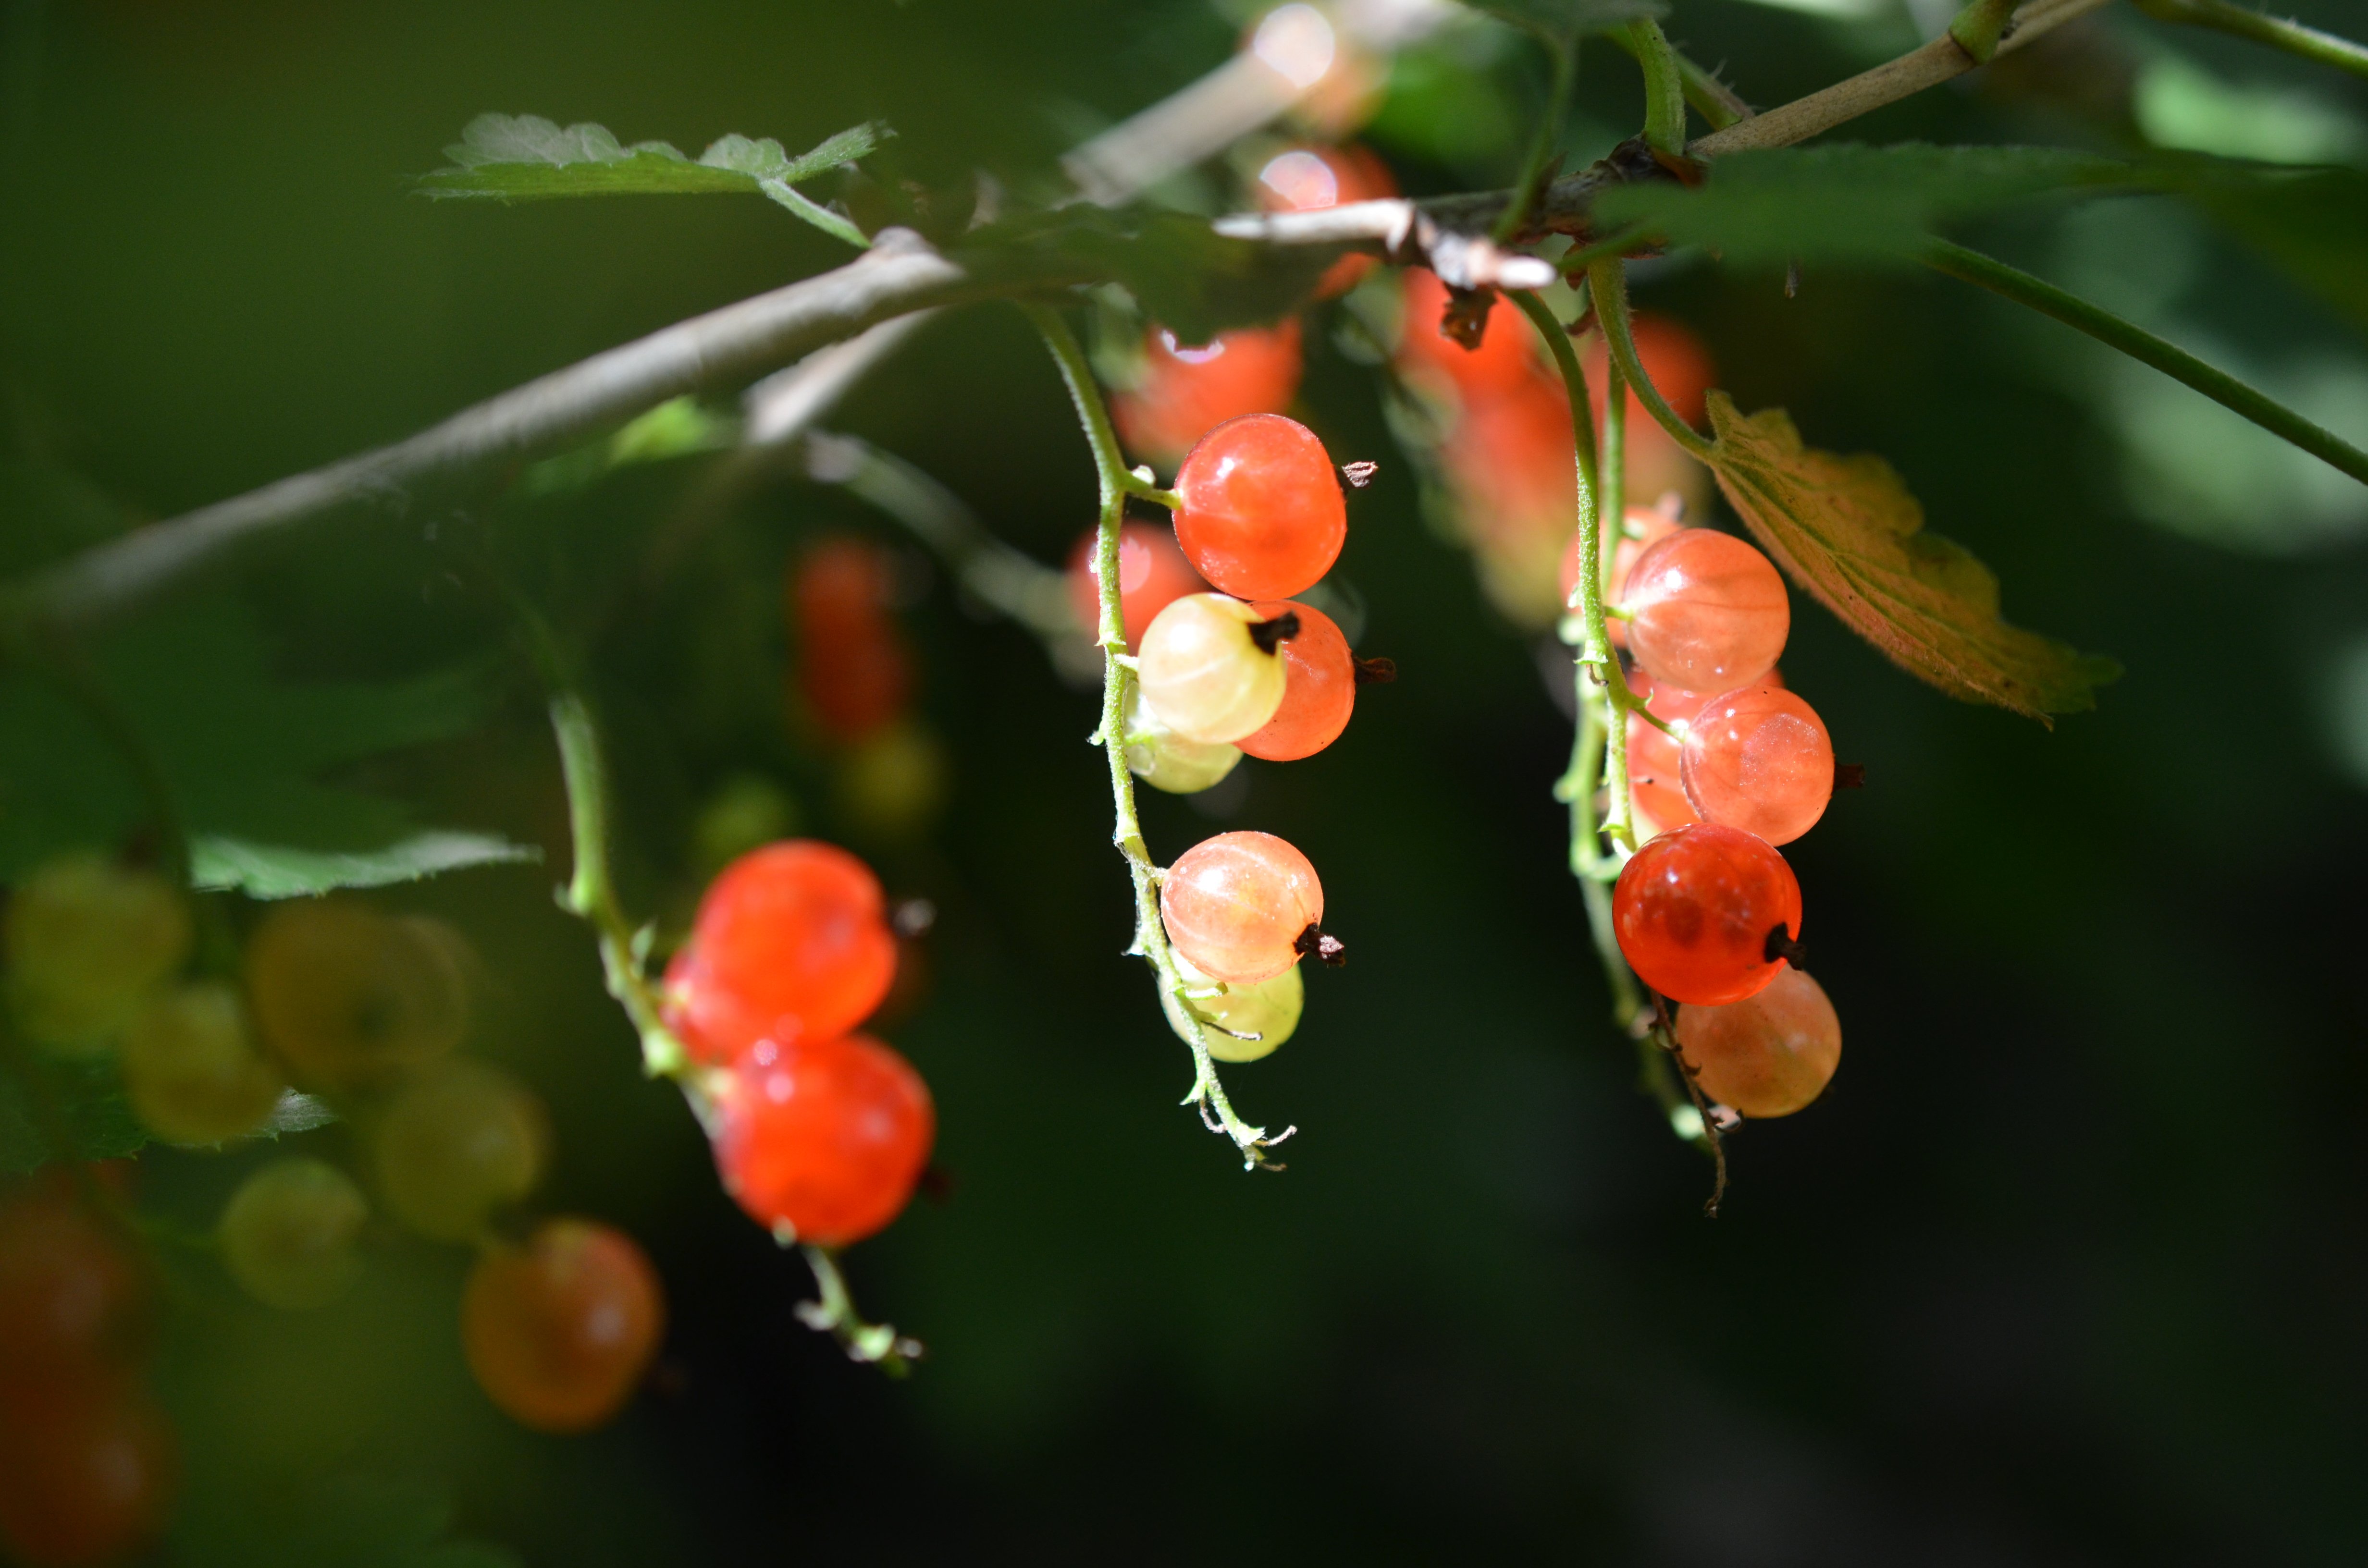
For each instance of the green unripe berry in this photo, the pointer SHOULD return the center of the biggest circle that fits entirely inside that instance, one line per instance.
(1165, 760)
(1267, 1008)
(288, 1235)
(87, 941)
(457, 1143)
(191, 1070)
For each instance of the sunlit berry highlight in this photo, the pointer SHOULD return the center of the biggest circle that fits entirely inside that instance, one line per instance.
(1262, 513)
(1204, 672)
(822, 1139)
(1152, 575)
(1768, 1054)
(559, 1330)
(1188, 389)
(1695, 909)
(1319, 687)
(792, 941)
(1308, 180)
(1235, 906)
(1707, 612)
(1758, 759)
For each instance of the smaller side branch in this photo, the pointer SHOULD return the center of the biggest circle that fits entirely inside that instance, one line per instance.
(2277, 32)
(2221, 388)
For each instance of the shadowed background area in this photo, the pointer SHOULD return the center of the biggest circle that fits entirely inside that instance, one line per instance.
(2066, 1267)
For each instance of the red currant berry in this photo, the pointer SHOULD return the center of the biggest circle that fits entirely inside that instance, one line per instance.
(1308, 179)
(1706, 611)
(87, 1483)
(1695, 911)
(1506, 358)
(822, 1139)
(1319, 689)
(1758, 759)
(1768, 1054)
(1152, 575)
(1262, 515)
(72, 1300)
(854, 671)
(1656, 759)
(792, 941)
(1237, 906)
(1649, 525)
(559, 1330)
(1188, 390)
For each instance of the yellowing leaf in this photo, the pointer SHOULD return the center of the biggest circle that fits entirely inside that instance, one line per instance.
(1846, 529)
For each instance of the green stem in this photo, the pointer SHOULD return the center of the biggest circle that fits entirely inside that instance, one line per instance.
(2278, 33)
(1979, 26)
(1712, 99)
(1563, 52)
(1608, 286)
(2144, 347)
(835, 1314)
(1665, 86)
(1118, 682)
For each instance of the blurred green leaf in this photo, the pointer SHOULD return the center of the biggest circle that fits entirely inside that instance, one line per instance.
(1848, 531)
(1187, 277)
(503, 157)
(1846, 202)
(89, 1097)
(2313, 224)
(276, 870)
(677, 427)
(354, 1522)
(240, 751)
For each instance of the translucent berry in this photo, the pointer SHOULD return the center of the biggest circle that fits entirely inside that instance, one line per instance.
(72, 1299)
(1186, 390)
(1646, 526)
(1262, 516)
(457, 1143)
(1319, 687)
(1656, 759)
(1152, 575)
(1308, 179)
(1212, 667)
(1267, 1008)
(1768, 1054)
(791, 941)
(89, 1483)
(191, 1070)
(559, 1330)
(287, 1234)
(1707, 612)
(854, 670)
(1758, 759)
(822, 1139)
(1237, 906)
(1165, 760)
(351, 999)
(87, 941)
(1506, 358)
(1702, 912)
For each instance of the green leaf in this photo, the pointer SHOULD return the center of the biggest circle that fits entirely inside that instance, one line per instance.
(678, 428)
(296, 1112)
(1187, 277)
(88, 1096)
(1846, 202)
(276, 870)
(1847, 530)
(240, 751)
(503, 157)
(1562, 18)
(2311, 223)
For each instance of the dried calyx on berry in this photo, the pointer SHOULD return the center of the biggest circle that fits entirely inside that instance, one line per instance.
(1313, 943)
(1780, 945)
(1360, 474)
(1376, 672)
(1271, 635)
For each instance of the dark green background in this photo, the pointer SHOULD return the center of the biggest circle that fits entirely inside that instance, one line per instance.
(2066, 1268)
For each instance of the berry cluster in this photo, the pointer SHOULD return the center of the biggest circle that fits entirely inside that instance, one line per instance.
(1706, 911)
(1498, 424)
(819, 1132)
(365, 1011)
